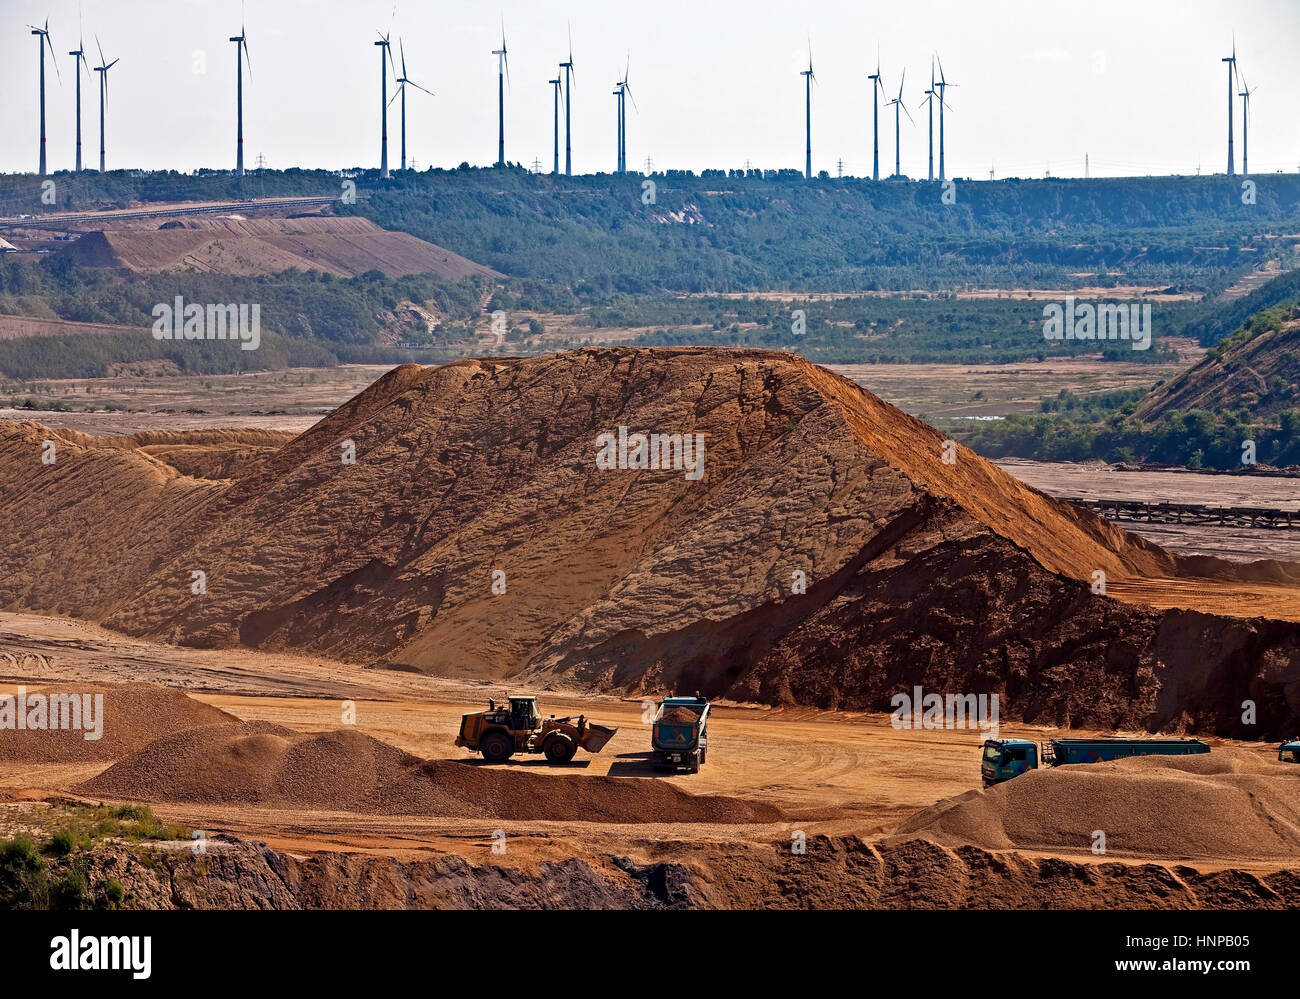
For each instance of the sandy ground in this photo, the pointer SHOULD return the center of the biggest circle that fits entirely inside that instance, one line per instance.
(833, 773)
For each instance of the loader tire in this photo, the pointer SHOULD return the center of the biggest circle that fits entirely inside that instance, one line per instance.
(559, 749)
(496, 747)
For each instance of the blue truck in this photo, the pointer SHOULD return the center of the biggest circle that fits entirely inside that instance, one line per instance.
(679, 734)
(1007, 758)
(1289, 751)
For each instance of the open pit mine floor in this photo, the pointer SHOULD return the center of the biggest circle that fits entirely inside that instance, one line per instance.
(890, 817)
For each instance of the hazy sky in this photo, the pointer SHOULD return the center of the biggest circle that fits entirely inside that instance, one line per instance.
(1137, 84)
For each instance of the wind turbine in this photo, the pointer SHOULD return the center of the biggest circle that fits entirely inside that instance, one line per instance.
(44, 36)
(623, 92)
(402, 81)
(241, 53)
(1245, 96)
(102, 69)
(876, 84)
(80, 61)
(555, 85)
(1232, 67)
(503, 70)
(898, 104)
(808, 76)
(929, 100)
(569, 71)
(385, 60)
(943, 85)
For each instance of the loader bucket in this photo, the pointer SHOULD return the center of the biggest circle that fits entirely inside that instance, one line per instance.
(594, 739)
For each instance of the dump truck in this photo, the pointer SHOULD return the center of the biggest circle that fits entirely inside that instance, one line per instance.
(1289, 751)
(516, 727)
(1007, 758)
(679, 734)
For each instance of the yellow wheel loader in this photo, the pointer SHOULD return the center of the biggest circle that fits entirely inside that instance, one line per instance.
(501, 732)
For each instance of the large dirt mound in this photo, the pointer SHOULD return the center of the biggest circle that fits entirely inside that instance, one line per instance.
(1232, 805)
(135, 714)
(342, 246)
(264, 764)
(826, 555)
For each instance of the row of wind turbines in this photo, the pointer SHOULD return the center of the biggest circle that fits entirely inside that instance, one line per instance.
(938, 86)
(563, 85)
(79, 55)
(562, 93)
(1234, 75)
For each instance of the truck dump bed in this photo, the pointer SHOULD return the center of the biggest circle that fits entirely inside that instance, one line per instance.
(677, 725)
(1065, 751)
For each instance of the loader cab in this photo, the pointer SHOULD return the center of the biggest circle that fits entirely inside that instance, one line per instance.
(1007, 758)
(1289, 751)
(523, 714)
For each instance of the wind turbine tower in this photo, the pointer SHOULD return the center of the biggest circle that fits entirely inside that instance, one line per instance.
(570, 75)
(623, 92)
(1231, 93)
(876, 87)
(241, 52)
(385, 58)
(1245, 96)
(402, 82)
(102, 69)
(943, 86)
(555, 86)
(503, 70)
(78, 63)
(808, 76)
(929, 100)
(43, 34)
(898, 145)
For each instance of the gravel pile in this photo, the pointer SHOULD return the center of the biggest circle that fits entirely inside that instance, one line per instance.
(1229, 805)
(134, 715)
(264, 764)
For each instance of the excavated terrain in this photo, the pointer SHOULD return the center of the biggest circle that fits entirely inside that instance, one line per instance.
(828, 554)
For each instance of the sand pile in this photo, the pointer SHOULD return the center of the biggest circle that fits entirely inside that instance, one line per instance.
(254, 763)
(679, 716)
(259, 763)
(956, 577)
(1232, 805)
(135, 714)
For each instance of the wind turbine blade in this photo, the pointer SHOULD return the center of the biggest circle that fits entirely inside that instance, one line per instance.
(102, 60)
(907, 112)
(247, 58)
(396, 92)
(402, 49)
(901, 81)
(418, 87)
(53, 57)
(629, 93)
(113, 63)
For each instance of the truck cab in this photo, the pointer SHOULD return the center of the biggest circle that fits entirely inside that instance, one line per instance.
(1007, 758)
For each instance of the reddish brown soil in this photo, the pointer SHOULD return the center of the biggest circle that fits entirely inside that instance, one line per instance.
(956, 577)
(342, 246)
